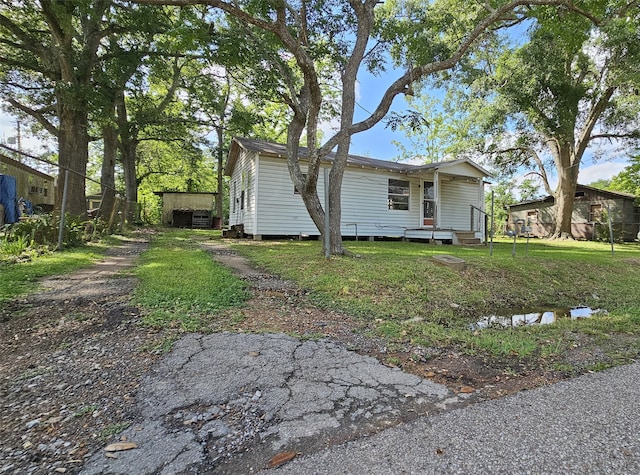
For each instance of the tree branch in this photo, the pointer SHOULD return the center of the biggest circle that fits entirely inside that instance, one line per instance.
(175, 82)
(592, 118)
(26, 41)
(36, 114)
(635, 134)
(418, 72)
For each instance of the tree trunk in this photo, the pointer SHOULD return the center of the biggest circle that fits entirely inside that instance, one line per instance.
(567, 166)
(220, 160)
(74, 154)
(130, 180)
(335, 201)
(128, 149)
(107, 175)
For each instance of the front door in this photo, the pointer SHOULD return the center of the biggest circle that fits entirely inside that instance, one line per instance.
(429, 204)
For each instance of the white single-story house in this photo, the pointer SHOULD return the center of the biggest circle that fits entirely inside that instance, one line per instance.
(439, 201)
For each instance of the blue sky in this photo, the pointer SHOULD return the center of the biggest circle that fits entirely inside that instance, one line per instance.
(377, 142)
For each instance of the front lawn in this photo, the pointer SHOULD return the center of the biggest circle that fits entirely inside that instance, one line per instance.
(408, 298)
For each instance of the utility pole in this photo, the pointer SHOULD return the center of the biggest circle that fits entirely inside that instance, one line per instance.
(19, 135)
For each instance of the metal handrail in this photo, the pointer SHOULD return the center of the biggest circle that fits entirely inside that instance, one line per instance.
(472, 217)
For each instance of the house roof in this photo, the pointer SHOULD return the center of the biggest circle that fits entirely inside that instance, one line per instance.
(280, 151)
(160, 193)
(613, 194)
(23, 167)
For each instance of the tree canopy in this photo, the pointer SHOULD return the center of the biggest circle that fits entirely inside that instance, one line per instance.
(143, 70)
(567, 88)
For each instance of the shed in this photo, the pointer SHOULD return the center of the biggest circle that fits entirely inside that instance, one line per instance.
(189, 209)
(588, 213)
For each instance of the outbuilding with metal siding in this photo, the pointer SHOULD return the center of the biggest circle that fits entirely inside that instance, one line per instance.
(31, 184)
(589, 210)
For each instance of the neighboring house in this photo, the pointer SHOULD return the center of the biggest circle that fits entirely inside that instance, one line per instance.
(589, 212)
(439, 201)
(189, 210)
(32, 185)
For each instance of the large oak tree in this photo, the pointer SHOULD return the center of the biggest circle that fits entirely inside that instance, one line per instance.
(569, 90)
(66, 64)
(48, 53)
(304, 39)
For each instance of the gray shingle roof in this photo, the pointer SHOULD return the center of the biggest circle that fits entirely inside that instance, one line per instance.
(280, 150)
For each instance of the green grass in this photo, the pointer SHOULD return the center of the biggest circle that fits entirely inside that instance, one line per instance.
(113, 429)
(408, 298)
(21, 278)
(180, 284)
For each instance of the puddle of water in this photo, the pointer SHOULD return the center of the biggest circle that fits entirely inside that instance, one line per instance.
(541, 317)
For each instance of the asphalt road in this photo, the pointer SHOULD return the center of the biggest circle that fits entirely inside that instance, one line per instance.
(588, 425)
(227, 403)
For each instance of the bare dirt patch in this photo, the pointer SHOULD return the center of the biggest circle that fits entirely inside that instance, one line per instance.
(70, 361)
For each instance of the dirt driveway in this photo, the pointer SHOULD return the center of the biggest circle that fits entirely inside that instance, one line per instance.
(73, 357)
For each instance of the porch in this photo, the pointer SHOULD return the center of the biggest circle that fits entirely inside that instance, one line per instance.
(457, 238)
(425, 233)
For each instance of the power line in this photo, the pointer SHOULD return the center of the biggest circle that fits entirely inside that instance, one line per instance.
(49, 162)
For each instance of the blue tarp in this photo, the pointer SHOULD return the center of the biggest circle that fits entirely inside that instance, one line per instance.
(9, 198)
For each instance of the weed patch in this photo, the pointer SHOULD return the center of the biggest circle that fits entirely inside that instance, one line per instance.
(406, 298)
(20, 278)
(180, 285)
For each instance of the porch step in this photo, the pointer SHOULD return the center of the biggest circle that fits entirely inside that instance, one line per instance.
(465, 238)
(235, 232)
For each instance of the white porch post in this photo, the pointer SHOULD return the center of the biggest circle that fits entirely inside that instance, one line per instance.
(436, 185)
(482, 207)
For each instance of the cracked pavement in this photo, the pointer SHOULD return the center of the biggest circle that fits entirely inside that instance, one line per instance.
(228, 403)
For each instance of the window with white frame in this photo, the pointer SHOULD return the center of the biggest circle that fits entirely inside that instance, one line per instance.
(398, 194)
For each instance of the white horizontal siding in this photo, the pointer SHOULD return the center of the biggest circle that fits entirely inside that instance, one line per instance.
(364, 203)
(243, 179)
(280, 210)
(273, 209)
(462, 169)
(456, 198)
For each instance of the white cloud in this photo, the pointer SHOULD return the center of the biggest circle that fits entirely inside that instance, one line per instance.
(604, 170)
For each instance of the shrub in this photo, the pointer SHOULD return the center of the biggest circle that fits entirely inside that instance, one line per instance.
(14, 247)
(43, 230)
(601, 230)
